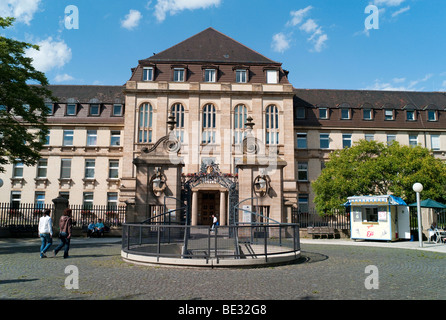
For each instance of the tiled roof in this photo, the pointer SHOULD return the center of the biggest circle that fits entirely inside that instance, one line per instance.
(88, 93)
(377, 99)
(210, 46)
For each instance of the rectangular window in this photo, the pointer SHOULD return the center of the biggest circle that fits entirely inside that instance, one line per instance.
(435, 142)
(17, 171)
(324, 140)
(117, 110)
(323, 113)
(47, 139)
(410, 115)
(40, 199)
(241, 76)
(71, 110)
(89, 168)
(390, 139)
(300, 113)
(88, 200)
(302, 141)
(113, 169)
(303, 203)
(367, 114)
(210, 75)
(272, 76)
(388, 114)
(147, 74)
(115, 138)
(94, 109)
(68, 137)
(112, 199)
(178, 75)
(371, 214)
(42, 168)
(16, 199)
(49, 108)
(65, 169)
(345, 114)
(431, 115)
(302, 171)
(346, 140)
(92, 137)
(369, 137)
(413, 140)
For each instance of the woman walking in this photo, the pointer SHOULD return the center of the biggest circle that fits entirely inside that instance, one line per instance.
(65, 225)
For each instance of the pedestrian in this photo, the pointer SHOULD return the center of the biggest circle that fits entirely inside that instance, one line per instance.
(65, 225)
(214, 222)
(45, 232)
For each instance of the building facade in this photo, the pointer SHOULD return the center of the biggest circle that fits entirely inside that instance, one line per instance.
(213, 86)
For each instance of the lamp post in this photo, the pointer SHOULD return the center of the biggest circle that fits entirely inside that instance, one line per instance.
(418, 187)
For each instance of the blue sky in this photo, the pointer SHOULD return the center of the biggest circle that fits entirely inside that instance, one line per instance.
(324, 44)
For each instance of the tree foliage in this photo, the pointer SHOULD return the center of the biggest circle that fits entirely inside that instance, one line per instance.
(370, 168)
(23, 114)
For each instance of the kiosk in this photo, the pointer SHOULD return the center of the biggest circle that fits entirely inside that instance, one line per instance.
(379, 218)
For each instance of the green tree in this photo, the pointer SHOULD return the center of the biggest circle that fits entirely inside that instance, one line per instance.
(370, 168)
(23, 113)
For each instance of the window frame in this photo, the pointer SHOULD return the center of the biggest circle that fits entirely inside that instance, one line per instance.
(145, 123)
(210, 75)
(272, 125)
(323, 139)
(92, 138)
(146, 72)
(66, 138)
(68, 111)
(241, 74)
(42, 167)
(179, 75)
(302, 140)
(114, 169)
(302, 171)
(272, 77)
(208, 124)
(387, 116)
(434, 113)
(90, 109)
(347, 139)
(239, 123)
(65, 169)
(90, 168)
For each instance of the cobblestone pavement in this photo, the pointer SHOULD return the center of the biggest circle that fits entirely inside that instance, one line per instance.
(324, 272)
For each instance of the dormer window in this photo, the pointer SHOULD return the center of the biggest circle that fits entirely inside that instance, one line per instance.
(178, 74)
(272, 76)
(431, 115)
(94, 109)
(71, 109)
(148, 74)
(389, 114)
(210, 75)
(241, 76)
(345, 113)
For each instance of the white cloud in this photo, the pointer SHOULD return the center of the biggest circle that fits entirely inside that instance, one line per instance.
(52, 54)
(163, 7)
(401, 84)
(309, 26)
(298, 16)
(388, 3)
(397, 13)
(22, 10)
(63, 78)
(280, 42)
(131, 20)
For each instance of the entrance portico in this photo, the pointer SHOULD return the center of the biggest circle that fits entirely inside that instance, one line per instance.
(207, 200)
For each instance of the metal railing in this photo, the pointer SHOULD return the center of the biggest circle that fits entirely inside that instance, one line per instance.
(311, 218)
(206, 243)
(112, 216)
(13, 214)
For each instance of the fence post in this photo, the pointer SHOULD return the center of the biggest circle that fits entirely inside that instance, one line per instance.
(60, 204)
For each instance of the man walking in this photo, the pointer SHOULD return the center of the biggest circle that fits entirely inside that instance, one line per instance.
(65, 225)
(45, 232)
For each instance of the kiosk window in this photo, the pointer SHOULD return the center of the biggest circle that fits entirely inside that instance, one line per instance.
(371, 215)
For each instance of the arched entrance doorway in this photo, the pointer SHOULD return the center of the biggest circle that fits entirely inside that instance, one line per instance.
(210, 192)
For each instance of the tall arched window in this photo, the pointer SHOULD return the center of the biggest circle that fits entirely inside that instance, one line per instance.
(145, 123)
(178, 111)
(209, 124)
(240, 115)
(272, 125)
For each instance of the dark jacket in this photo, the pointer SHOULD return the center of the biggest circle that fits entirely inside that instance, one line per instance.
(65, 225)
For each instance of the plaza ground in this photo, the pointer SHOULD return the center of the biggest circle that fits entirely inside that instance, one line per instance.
(327, 270)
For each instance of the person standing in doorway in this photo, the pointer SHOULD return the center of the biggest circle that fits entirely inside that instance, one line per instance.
(65, 225)
(45, 232)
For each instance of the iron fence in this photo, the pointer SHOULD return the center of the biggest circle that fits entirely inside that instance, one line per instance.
(112, 216)
(338, 219)
(199, 242)
(13, 214)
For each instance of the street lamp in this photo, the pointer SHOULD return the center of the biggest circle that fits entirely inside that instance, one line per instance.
(418, 187)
